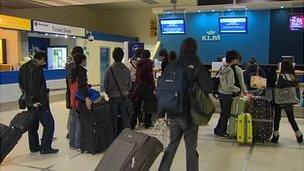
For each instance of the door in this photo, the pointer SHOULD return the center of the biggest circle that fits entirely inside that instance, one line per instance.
(104, 64)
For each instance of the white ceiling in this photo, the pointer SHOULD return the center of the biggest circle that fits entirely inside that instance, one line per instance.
(158, 5)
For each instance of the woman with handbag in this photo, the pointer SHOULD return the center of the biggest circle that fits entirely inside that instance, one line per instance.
(285, 98)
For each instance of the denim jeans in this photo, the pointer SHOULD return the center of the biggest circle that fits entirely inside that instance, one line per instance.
(74, 129)
(119, 111)
(225, 103)
(290, 115)
(46, 119)
(179, 128)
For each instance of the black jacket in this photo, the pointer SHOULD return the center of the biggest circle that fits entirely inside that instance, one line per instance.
(196, 71)
(33, 85)
(251, 70)
(80, 73)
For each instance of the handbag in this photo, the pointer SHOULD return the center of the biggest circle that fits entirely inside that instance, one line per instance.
(286, 95)
(257, 81)
(202, 108)
(128, 104)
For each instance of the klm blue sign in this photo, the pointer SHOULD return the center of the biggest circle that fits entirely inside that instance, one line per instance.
(211, 36)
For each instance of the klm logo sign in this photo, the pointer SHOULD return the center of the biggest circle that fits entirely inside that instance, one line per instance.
(211, 36)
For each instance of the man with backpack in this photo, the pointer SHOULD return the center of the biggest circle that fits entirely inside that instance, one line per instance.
(226, 89)
(32, 83)
(173, 96)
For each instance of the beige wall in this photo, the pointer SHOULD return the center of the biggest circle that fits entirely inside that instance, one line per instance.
(131, 22)
(13, 42)
(93, 58)
(128, 22)
(76, 16)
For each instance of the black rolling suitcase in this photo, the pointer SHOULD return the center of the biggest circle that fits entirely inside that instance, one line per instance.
(9, 138)
(23, 121)
(262, 112)
(97, 130)
(131, 151)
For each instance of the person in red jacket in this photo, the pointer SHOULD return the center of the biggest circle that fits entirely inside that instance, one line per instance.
(144, 77)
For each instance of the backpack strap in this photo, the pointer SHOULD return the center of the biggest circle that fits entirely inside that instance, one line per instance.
(117, 85)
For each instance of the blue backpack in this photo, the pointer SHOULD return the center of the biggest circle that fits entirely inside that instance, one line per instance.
(172, 89)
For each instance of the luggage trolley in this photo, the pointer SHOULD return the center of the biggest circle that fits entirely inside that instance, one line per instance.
(162, 126)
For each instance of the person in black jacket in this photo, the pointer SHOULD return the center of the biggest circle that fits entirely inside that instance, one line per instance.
(163, 55)
(253, 69)
(32, 83)
(287, 78)
(182, 124)
(69, 67)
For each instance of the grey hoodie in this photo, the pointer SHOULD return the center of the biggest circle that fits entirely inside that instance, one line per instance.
(227, 81)
(123, 76)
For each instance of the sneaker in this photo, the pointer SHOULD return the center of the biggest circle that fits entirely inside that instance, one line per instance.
(224, 135)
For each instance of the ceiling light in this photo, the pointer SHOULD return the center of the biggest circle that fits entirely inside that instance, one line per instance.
(199, 11)
(282, 7)
(246, 9)
(185, 11)
(66, 36)
(46, 34)
(229, 9)
(74, 37)
(213, 10)
(56, 35)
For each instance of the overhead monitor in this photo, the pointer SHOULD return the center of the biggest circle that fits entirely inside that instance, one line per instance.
(57, 57)
(233, 24)
(296, 22)
(172, 26)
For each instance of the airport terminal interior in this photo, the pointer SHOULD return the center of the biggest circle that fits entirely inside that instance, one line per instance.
(267, 34)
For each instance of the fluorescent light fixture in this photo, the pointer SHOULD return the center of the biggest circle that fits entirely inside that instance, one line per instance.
(178, 10)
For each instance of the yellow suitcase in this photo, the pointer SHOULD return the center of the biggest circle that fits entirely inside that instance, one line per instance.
(244, 128)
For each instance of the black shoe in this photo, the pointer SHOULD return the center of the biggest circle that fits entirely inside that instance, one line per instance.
(35, 150)
(275, 139)
(300, 139)
(67, 136)
(50, 151)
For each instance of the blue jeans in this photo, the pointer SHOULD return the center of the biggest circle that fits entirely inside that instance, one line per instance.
(225, 103)
(74, 129)
(44, 116)
(120, 112)
(179, 128)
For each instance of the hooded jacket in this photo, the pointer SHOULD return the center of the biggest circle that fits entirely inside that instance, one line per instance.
(227, 81)
(144, 73)
(123, 77)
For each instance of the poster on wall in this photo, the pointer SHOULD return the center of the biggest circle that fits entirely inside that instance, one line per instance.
(296, 22)
(57, 57)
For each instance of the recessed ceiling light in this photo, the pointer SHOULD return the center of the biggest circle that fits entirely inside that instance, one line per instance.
(46, 34)
(213, 10)
(56, 35)
(282, 7)
(229, 9)
(74, 37)
(199, 11)
(66, 36)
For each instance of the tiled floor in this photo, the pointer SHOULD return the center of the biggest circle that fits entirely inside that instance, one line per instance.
(215, 154)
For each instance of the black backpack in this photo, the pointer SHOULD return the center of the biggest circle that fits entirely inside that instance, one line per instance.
(172, 89)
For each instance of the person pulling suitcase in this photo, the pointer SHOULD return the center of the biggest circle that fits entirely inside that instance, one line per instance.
(32, 83)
